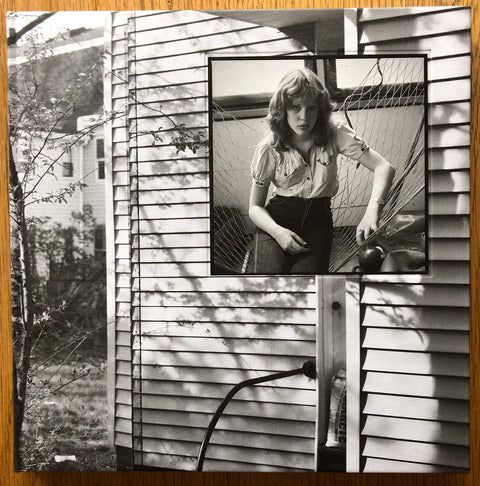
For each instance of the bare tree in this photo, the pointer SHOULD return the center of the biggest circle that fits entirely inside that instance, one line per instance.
(36, 127)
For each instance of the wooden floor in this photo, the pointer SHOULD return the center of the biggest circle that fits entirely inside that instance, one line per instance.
(8, 478)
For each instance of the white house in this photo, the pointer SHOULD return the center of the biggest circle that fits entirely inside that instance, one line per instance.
(83, 161)
(183, 338)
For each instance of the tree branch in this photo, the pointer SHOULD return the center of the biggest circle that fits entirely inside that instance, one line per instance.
(14, 38)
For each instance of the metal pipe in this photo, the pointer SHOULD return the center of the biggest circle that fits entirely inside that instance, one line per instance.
(308, 369)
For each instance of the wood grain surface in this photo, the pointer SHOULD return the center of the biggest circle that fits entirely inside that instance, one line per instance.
(8, 478)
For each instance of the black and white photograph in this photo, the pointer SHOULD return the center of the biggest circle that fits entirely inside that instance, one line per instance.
(240, 240)
(281, 202)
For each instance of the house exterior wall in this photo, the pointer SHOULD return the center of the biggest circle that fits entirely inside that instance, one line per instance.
(53, 182)
(414, 338)
(183, 340)
(82, 157)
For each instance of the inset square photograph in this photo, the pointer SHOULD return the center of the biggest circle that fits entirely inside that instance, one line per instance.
(318, 164)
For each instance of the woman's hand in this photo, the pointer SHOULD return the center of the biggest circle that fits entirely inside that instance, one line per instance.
(290, 242)
(369, 222)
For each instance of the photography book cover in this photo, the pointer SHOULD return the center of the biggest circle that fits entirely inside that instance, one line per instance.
(240, 239)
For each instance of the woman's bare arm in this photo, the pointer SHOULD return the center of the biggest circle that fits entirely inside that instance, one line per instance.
(383, 174)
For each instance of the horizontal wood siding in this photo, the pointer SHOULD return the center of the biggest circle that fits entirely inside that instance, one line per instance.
(194, 337)
(121, 214)
(415, 337)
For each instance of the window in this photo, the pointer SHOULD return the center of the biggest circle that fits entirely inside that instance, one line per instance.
(100, 157)
(67, 165)
(392, 80)
(100, 241)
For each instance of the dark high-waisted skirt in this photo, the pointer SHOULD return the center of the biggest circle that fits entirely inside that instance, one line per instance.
(311, 219)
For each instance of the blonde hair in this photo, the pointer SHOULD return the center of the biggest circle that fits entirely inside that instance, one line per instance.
(296, 84)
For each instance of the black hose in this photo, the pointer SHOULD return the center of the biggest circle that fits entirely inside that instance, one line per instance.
(308, 369)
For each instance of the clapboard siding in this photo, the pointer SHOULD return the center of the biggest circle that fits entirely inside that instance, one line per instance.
(191, 335)
(152, 109)
(221, 299)
(438, 318)
(117, 150)
(230, 284)
(441, 22)
(440, 409)
(222, 330)
(153, 345)
(450, 227)
(379, 14)
(421, 295)
(423, 363)
(215, 40)
(439, 46)
(171, 226)
(166, 152)
(446, 204)
(446, 272)
(169, 166)
(185, 374)
(263, 456)
(192, 30)
(416, 385)
(449, 113)
(222, 462)
(172, 181)
(258, 393)
(449, 158)
(452, 181)
(449, 91)
(417, 430)
(449, 136)
(428, 453)
(375, 464)
(226, 422)
(236, 407)
(251, 314)
(196, 59)
(228, 360)
(414, 338)
(443, 68)
(453, 249)
(148, 242)
(221, 437)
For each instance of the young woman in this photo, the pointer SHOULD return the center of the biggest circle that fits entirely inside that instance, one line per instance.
(299, 157)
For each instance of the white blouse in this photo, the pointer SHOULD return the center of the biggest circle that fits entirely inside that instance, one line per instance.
(293, 176)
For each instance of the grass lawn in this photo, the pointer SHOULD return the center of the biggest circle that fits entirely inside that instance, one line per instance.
(68, 418)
